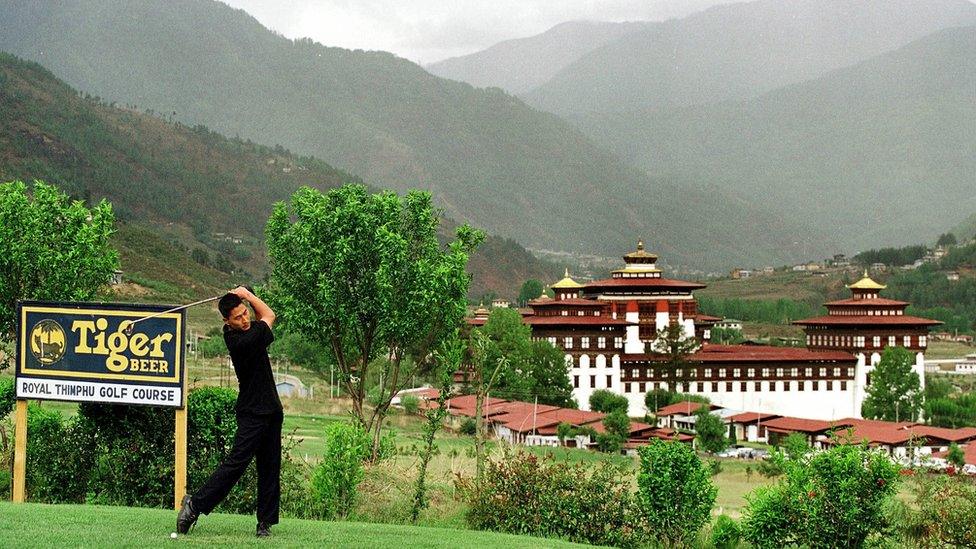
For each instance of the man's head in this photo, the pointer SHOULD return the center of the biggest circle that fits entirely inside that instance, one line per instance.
(235, 312)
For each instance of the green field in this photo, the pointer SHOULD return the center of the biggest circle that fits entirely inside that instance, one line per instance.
(39, 525)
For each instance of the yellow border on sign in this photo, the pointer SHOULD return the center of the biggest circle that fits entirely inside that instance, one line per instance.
(107, 375)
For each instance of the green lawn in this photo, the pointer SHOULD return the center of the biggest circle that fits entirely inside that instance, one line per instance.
(38, 525)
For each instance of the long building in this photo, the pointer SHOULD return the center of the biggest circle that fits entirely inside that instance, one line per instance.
(609, 331)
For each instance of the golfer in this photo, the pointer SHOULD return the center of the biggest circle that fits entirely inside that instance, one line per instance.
(259, 415)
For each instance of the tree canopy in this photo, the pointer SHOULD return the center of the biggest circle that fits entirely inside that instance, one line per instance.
(51, 248)
(894, 393)
(365, 275)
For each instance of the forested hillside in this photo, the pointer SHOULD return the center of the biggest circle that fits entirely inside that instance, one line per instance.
(489, 159)
(879, 153)
(191, 203)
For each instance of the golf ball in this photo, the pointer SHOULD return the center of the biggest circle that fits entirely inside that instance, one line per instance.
(173, 535)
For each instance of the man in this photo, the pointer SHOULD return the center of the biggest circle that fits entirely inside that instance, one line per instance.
(259, 415)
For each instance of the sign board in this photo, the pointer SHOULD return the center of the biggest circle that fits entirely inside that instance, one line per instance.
(83, 352)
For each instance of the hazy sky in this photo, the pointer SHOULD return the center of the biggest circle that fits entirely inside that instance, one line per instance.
(430, 30)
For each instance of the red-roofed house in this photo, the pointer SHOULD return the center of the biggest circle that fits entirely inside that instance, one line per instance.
(751, 426)
(671, 414)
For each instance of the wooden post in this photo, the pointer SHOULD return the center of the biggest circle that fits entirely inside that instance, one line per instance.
(179, 477)
(20, 451)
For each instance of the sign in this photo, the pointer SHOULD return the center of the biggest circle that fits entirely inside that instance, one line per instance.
(93, 352)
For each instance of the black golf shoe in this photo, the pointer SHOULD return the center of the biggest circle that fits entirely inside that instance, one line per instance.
(187, 517)
(264, 530)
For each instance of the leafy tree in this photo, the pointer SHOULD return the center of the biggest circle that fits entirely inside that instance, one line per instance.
(676, 346)
(726, 336)
(364, 275)
(608, 402)
(617, 426)
(946, 239)
(895, 393)
(955, 456)
(530, 290)
(942, 515)
(200, 256)
(656, 399)
(733, 441)
(833, 498)
(675, 493)
(564, 432)
(550, 378)
(710, 431)
(336, 479)
(51, 248)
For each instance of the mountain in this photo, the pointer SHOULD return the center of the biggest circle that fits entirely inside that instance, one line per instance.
(488, 158)
(967, 229)
(192, 204)
(523, 64)
(882, 152)
(738, 51)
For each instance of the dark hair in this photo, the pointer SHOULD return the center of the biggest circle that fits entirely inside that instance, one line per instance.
(228, 303)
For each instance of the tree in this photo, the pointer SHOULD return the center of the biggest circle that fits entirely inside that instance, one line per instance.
(486, 363)
(608, 402)
(364, 275)
(833, 498)
(675, 493)
(564, 432)
(710, 431)
(655, 399)
(946, 239)
(617, 426)
(530, 290)
(895, 393)
(51, 248)
(676, 347)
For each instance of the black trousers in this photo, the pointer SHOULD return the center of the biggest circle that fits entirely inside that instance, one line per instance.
(258, 436)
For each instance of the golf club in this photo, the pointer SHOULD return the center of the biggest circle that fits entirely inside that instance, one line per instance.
(128, 329)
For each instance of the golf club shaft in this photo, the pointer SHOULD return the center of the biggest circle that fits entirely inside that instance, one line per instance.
(174, 309)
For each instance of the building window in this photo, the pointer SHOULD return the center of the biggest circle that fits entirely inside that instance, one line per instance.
(801, 385)
(694, 387)
(626, 387)
(808, 372)
(679, 373)
(736, 373)
(779, 372)
(772, 386)
(794, 372)
(891, 341)
(757, 386)
(580, 313)
(592, 382)
(565, 312)
(907, 340)
(850, 372)
(609, 382)
(823, 372)
(708, 372)
(843, 385)
(634, 373)
(585, 342)
(836, 372)
(765, 372)
(721, 373)
(601, 342)
(618, 342)
(575, 382)
(922, 341)
(876, 341)
(552, 341)
(751, 372)
(728, 387)
(568, 342)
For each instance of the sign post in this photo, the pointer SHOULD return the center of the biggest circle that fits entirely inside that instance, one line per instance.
(94, 352)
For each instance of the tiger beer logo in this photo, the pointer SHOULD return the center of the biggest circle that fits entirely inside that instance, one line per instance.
(47, 342)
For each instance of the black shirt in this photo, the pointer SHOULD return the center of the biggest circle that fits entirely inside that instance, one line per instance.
(249, 351)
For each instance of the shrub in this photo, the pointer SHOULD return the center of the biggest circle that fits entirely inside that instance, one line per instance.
(710, 431)
(468, 426)
(525, 494)
(834, 498)
(726, 533)
(336, 479)
(410, 403)
(943, 514)
(674, 491)
(57, 457)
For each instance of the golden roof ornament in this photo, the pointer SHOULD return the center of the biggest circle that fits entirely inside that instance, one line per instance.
(866, 283)
(566, 283)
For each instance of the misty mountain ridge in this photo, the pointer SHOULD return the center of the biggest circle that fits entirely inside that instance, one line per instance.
(488, 158)
(881, 152)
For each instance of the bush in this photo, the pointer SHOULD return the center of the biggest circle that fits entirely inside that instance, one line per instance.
(943, 515)
(469, 426)
(608, 402)
(834, 498)
(336, 479)
(710, 431)
(674, 491)
(726, 533)
(528, 495)
(57, 457)
(410, 403)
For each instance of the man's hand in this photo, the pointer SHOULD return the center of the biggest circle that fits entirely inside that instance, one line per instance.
(261, 309)
(242, 293)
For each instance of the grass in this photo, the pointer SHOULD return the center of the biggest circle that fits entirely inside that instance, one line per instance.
(40, 525)
(948, 349)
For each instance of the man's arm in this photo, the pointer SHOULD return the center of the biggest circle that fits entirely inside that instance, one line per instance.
(261, 309)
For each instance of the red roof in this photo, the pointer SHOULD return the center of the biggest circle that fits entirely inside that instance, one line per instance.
(642, 282)
(875, 432)
(527, 417)
(705, 318)
(751, 417)
(558, 302)
(964, 434)
(800, 425)
(873, 301)
(575, 320)
(464, 405)
(683, 407)
(865, 320)
(761, 353)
